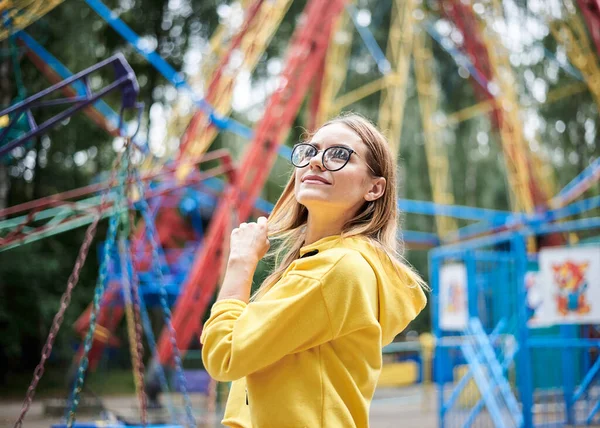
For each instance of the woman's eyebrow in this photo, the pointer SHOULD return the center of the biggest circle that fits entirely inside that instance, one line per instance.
(342, 145)
(318, 145)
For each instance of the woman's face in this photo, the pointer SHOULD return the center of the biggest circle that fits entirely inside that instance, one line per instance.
(346, 189)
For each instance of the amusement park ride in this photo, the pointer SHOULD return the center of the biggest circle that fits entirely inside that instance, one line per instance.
(173, 254)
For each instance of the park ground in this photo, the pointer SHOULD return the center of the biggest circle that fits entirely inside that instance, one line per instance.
(409, 407)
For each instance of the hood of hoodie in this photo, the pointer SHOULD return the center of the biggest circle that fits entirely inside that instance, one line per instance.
(400, 299)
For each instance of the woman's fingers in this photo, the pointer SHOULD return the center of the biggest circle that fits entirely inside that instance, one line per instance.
(257, 229)
(249, 241)
(261, 221)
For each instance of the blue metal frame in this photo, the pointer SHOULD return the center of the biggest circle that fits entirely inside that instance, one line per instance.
(575, 208)
(465, 379)
(125, 81)
(517, 220)
(457, 56)
(567, 226)
(496, 371)
(486, 389)
(468, 231)
(472, 292)
(525, 380)
(372, 46)
(476, 259)
(568, 332)
(422, 238)
(505, 365)
(111, 116)
(438, 363)
(514, 261)
(457, 211)
(592, 172)
(163, 67)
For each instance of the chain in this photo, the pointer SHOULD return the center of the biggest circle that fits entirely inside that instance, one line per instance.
(65, 300)
(151, 339)
(211, 407)
(99, 291)
(151, 234)
(135, 350)
(142, 313)
(138, 337)
(133, 288)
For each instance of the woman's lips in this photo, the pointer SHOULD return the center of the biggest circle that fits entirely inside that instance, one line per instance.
(314, 179)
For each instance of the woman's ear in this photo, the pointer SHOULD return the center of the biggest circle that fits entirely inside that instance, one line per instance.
(376, 190)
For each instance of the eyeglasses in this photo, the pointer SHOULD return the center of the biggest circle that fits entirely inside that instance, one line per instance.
(334, 157)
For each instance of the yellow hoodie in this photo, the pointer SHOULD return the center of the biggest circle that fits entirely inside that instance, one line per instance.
(308, 353)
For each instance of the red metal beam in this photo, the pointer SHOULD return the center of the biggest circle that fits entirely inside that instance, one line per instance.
(222, 155)
(25, 229)
(307, 48)
(20, 234)
(591, 13)
(107, 322)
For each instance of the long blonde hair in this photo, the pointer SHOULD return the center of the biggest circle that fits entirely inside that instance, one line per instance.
(376, 221)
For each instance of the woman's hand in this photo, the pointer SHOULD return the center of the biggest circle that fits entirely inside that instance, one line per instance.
(249, 242)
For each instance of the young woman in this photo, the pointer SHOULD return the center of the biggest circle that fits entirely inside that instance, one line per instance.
(306, 350)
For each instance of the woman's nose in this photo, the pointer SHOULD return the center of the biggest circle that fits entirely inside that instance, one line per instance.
(317, 161)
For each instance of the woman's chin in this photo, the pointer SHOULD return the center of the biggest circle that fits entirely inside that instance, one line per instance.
(309, 199)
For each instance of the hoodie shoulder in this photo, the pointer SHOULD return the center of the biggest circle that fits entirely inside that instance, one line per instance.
(349, 289)
(352, 262)
(339, 262)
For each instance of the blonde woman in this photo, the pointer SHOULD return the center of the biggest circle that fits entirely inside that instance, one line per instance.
(305, 351)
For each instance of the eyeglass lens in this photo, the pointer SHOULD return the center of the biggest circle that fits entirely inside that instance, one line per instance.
(334, 158)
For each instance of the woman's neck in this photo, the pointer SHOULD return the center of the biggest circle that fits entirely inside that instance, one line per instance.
(321, 226)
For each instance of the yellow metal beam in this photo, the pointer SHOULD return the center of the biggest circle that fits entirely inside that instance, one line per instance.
(488, 105)
(470, 112)
(21, 13)
(565, 91)
(571, 33)
(437, 156)
(359, 93)
(398, 53)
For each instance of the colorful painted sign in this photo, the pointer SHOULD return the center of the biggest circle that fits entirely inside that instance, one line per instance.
(453, 297)
(569, 284)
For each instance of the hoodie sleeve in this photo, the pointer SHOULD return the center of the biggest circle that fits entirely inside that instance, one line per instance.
(239, 339)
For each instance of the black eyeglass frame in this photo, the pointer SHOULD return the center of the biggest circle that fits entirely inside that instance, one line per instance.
(351, 152)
